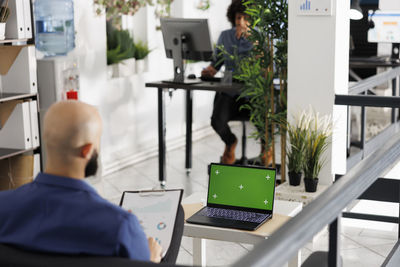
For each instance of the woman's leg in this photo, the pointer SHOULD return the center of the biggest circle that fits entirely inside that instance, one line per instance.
(224, 108)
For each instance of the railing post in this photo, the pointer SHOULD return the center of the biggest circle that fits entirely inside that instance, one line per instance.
(398, 230)
(394, 93)
(334, 259)
(363, 126)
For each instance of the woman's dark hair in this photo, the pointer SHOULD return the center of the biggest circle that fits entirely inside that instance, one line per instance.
(236, 7)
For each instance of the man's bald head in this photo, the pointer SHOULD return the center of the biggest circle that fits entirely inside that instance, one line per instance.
(70, 125)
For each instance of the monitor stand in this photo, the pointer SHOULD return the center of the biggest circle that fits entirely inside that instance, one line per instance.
(179, 48)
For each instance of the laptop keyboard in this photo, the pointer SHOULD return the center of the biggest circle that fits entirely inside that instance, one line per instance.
(237, 215)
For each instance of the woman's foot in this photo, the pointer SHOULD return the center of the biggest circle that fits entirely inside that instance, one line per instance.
(229, 154)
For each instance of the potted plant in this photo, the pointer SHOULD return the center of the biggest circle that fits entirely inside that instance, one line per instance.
(120, 52)
(295, 150)
(4, 15)
(141, 52)
(318, 133)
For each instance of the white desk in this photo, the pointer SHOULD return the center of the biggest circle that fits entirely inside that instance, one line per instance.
(283, 210)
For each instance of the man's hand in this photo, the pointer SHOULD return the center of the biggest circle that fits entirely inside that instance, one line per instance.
(155, 250)
(210, 71)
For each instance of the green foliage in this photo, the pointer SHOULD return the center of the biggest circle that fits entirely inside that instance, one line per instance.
(297, 134)
(115, 8)
(4, 13)
(267, 59)
(120, 46)
(141, 50)
(204, 5)
(318, 133)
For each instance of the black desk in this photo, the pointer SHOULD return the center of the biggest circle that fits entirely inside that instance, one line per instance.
(202, 86)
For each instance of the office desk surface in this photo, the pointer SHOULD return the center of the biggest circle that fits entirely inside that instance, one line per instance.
(264, 230)
(206, 86)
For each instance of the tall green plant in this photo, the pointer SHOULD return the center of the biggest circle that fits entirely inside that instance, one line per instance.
(268, 59)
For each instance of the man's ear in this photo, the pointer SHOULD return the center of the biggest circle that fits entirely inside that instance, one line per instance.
(86, 151)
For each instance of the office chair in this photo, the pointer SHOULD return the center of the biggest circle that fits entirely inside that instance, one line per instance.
(15, 257)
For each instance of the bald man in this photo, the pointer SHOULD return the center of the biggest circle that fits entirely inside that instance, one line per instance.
(61, 213)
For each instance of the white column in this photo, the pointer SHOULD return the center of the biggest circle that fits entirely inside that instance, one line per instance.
(318, 60)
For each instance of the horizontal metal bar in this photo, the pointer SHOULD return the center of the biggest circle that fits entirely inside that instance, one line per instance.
(374, 81)
(377, 141)
(370, 217)
(292, 236)
(393, 259)
(373, 144)
(368, 101)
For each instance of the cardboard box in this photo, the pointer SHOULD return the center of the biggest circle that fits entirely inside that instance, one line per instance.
(6, 108)
(16, 171)
(8, 55)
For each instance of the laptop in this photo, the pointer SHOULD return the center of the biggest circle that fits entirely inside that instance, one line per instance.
(240, 197)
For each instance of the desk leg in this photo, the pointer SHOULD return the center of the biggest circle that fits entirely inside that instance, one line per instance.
(199, 252)
(161, 138)
(296, 260)
(189, 119)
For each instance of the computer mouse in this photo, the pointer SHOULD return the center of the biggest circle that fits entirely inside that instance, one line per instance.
(191, 76)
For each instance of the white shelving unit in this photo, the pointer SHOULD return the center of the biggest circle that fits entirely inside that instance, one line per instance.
(20, 148)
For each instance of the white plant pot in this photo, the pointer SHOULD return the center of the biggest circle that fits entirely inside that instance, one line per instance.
(127, 67)
(140, 66)
(2, 31)
(113, 71)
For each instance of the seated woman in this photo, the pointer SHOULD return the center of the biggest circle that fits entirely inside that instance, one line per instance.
(226, 106)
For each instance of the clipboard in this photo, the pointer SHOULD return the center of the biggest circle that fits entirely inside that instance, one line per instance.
(156, 211)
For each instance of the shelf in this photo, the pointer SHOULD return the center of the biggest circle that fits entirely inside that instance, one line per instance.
(14, 41)
(11, 96)
(8, 153)
(8, 54)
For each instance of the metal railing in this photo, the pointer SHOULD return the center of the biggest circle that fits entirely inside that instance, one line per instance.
(364, 100)
(375, 158)
(324, 210)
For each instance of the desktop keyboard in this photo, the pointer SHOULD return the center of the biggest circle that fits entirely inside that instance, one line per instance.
(237, 215)
(210, 79)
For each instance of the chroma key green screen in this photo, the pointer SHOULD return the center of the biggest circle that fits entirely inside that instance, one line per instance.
(241, 186)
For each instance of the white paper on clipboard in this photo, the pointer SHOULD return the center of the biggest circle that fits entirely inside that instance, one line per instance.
(156, 211)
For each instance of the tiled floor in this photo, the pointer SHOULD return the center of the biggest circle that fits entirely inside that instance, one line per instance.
(361, 246)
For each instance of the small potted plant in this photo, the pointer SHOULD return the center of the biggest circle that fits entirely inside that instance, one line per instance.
(4, 15)
(141, 52)
(295, 150)
(318, 133)
(120, 52)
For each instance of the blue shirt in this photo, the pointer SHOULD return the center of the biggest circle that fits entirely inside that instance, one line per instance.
(64, 215)
(232, 45)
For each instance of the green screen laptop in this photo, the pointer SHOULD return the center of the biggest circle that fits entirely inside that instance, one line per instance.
(239, 197)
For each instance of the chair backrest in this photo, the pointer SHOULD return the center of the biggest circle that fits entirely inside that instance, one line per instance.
(14, 257)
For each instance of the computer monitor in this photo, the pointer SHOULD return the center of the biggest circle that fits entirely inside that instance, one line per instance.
(186, 39)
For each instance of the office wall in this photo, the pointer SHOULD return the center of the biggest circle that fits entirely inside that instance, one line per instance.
(128, 109)
(317, 70)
